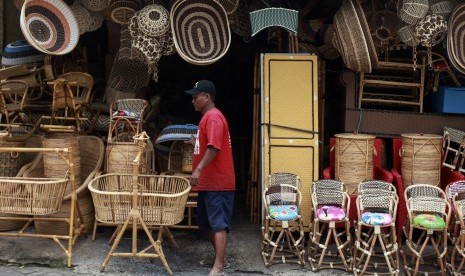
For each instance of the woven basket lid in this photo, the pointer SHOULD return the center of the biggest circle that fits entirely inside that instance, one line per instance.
(153, 20)
(49, 26)
(96, 21)
(354, 136)
(455, 38)
(354, 39)
(84, 17)
(420, 136)
(176, 133)
(200, 29)
(21, 52)
(95, 5)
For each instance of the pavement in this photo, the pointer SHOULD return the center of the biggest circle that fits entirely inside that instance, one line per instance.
(33, 256)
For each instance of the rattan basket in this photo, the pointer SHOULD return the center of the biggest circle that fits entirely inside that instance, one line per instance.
(31, 196)
(162, 198)
(412, 11)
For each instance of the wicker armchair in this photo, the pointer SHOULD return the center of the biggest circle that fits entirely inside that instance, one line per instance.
(331, 206)
(452, 189)
(458, 253)
(282, 224)
(428, 213)
(126, 116)
(284, 178)
(376, 209)
(13, 100)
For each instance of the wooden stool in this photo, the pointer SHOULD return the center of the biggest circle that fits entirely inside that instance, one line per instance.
(282, 223)
(331, 205)
(376, 210)
(428, 213)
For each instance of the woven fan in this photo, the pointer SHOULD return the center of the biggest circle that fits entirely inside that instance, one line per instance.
(49, 26)
(201, 31)
(84, 17)
(270, 17)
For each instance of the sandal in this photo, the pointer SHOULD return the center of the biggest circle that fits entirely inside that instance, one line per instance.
(207, 263)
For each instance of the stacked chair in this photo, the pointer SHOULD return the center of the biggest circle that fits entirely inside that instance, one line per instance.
(331, 206)
(282, 230)
(376, 209)
(429, 214)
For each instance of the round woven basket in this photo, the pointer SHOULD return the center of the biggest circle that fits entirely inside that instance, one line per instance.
(383, 25)
(122, 10)
(421, 159)
(96, 21)
(153, 20)
(83, 14)
(412, 11)
(354, 159)
(54, 165)
(21, 52)
(441, 7)
(201, 31)
(49, 26)
(130, 72)
(431, 30)
(95, 5)
(406, 34)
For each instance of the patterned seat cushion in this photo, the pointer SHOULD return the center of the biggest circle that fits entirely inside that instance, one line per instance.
(431, 221)
(283, 212)
(374, 218)
(330, 213)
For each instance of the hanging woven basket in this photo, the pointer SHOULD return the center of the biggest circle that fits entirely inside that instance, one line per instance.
(122, 10)
(21, 52)
(153, 20)
(383, 26)
(96, 21)
(49, 26)
(406, 34)
(441, 7)
(200, 29)
(455, 38)
(412, 11)
(95, 5)
(84, 16)
(431, 30)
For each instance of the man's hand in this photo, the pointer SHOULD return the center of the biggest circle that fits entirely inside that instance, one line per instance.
(194, 179)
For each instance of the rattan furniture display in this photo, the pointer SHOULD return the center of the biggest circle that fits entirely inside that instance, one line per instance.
(331, 206)
(139, 200)
(41, 196)
(13, 100)
(282, 232)
(376, 209)
(429, 214)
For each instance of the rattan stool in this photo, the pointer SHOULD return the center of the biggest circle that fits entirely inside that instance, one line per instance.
(331, 205)
(376, 210)
(429, 214)
(282, 223)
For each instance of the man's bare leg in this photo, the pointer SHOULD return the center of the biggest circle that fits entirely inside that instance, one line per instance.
(218, 240)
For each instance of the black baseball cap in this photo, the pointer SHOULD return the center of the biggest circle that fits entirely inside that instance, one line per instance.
(205, 86)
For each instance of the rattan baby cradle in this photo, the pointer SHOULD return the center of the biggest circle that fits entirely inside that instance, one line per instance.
(160, 201)
(40, 196)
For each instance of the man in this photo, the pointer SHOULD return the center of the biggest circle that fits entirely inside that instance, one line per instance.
(213, 173)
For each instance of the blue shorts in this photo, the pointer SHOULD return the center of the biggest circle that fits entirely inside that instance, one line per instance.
(214, 210)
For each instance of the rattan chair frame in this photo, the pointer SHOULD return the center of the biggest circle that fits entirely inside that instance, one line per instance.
(284, 178)
(452, 189)
(278, 241)
(317, 251)
(126, 123)
(368, 235)
(425, 198)
(13, 100)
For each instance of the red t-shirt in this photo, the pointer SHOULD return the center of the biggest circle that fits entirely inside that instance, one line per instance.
(219, 174)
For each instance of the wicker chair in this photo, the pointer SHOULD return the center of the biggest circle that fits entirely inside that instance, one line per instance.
(284, 178)
(282, 224)
(452, 189)
(453, 147)
(458, 253)
(376, 209)
(331, 206)
(13, 100)
(83, 88)
(126, 116)
(428, 213)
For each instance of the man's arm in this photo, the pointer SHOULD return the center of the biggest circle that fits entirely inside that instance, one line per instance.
(210, 154)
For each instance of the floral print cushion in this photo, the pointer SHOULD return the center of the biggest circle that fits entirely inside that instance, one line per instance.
(330, 213)
(431, 221)
(283, 212)
(376, 218)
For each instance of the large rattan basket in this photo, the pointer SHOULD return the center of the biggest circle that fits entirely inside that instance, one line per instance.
(31, 196)
(162, 198)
